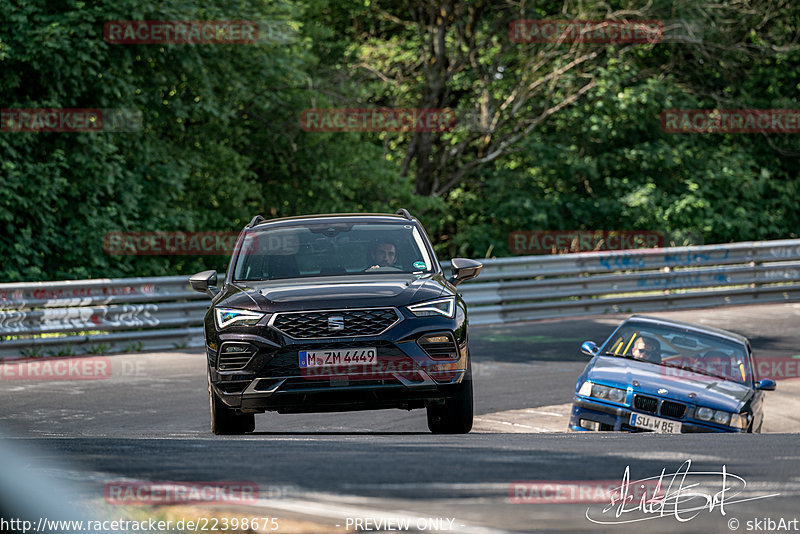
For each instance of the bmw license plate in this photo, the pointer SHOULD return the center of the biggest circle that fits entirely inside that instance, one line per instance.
(656, 424)
(338, 357)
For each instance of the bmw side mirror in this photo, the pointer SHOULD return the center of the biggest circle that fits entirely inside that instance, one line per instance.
(590, 348)
(205, 282)
(766, 384)
(464, 269)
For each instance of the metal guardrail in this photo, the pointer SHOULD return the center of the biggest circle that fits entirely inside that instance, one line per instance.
(131, 314)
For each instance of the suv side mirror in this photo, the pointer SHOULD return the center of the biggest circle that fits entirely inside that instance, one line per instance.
(464, 269)
(589, 348)
(766, 384)
(205, 282)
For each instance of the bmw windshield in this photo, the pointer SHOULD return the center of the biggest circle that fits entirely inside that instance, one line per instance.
(685, 350)
(331, 249)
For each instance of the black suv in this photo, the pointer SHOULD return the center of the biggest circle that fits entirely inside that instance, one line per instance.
(335, 313)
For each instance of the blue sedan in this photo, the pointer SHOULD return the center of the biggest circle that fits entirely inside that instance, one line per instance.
(656, 375)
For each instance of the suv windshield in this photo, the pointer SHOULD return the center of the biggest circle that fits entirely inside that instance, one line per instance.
(331, 249)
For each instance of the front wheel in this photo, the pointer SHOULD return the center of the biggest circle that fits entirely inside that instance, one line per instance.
(455, 415)
(224, 420)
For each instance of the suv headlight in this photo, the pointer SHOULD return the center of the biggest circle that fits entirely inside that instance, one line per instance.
(597, 391)
(228, 316)
(721, 417)
(445, 307)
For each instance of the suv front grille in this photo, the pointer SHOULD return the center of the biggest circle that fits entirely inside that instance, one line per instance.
(282, 364)
(673, 409)
(335, 323)
(646, 404)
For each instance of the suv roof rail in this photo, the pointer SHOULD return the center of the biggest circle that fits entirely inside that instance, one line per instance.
(404, 213)
(255, 220)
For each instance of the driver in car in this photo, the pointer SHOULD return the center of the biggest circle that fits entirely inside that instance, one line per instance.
(647, 348)
(382, 254)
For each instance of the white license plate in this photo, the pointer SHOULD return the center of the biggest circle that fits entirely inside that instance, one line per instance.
(656, 424)
(338, 357)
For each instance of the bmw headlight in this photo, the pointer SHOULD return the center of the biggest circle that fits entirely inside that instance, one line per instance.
(445, 307)
(230, 316)
(721, 417)
(705, 414)
(602, 392)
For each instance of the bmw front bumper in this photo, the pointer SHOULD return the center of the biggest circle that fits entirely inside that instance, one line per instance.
(617, 418)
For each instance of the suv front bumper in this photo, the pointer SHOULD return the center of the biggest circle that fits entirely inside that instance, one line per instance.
(404, 376)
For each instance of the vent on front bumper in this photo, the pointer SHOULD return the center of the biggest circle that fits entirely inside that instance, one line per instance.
(235, 356)
(335, 323)
(673, 409)
(645, 404)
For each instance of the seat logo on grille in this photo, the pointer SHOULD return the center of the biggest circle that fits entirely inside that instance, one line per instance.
(335, 322)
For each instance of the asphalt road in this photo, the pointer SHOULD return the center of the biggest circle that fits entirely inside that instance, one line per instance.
(147, 421)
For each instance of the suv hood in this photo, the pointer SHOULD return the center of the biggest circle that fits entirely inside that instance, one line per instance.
(353, 291)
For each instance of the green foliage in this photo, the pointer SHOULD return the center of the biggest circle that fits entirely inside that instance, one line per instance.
(100, 348)
(220, 138)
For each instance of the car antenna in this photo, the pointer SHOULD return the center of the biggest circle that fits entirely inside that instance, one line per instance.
(404, 213)
(257, 219)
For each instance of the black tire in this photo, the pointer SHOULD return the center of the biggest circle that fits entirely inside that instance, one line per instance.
(455, 415)
(224, 420)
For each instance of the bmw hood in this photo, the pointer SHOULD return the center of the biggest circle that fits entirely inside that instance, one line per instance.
(372, 290)
(679, 384)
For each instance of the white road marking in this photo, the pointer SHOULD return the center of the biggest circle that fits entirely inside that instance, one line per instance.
(542, 419)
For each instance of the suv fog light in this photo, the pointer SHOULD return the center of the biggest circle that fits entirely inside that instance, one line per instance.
(436, 339)
(439, 346)
(236, 348)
